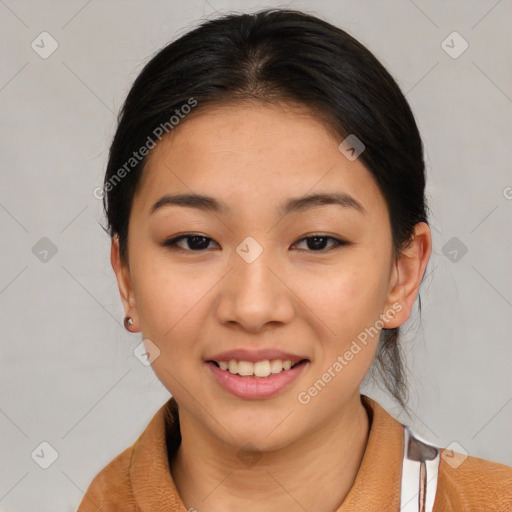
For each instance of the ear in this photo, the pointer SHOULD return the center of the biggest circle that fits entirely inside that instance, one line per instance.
(124, 282)
(408, 271)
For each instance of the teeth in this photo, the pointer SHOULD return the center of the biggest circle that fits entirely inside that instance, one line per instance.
(245, 368)
(262, 368)
(276, 366)
(258, 369)
(233, 366)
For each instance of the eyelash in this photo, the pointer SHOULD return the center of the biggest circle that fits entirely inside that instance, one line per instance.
(172, 242)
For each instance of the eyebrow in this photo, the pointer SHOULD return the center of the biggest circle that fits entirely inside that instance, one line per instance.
(295, 204)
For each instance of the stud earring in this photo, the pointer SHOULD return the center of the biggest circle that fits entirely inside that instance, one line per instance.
(128, 322)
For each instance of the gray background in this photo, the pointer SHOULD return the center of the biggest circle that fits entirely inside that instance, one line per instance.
(68, 374)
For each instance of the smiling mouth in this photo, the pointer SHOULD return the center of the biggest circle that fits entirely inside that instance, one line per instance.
(259, 369)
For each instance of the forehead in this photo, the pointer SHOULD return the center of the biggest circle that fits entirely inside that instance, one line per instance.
(248, 128)
(251, 153)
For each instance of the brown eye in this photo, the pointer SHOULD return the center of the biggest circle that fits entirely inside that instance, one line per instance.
(317, 243)
(192, 242)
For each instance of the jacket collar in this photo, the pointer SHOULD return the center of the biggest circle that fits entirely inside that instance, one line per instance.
(375, 488)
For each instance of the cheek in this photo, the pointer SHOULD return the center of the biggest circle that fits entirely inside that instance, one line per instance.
(346, 305)
(170, 301)
(349, 297)
(172, 313)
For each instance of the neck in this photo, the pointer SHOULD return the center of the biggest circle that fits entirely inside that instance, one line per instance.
(210, 475)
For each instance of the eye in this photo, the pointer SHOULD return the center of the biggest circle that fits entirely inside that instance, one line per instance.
(317, 242)
(194, 242)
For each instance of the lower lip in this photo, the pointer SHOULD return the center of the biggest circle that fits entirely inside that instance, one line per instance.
(256, 387)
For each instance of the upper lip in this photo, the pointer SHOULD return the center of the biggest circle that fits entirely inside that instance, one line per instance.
(254, 356)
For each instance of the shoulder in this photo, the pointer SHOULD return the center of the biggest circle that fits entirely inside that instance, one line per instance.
(471, 483)
(110, 489)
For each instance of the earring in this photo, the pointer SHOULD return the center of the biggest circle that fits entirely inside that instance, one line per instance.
(128, 321)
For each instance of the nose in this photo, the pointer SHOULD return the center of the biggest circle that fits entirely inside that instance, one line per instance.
(254, 293)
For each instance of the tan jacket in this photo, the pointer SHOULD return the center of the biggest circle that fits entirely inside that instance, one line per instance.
(139, 480)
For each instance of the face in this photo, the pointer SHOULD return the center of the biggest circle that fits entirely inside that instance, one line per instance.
(255, 271)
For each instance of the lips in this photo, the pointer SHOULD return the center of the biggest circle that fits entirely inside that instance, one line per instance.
(256, 355)
(253, 387)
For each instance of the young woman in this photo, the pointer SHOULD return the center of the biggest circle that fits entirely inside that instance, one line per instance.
(265, 199)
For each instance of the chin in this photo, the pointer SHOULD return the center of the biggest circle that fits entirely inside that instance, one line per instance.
(265, 430)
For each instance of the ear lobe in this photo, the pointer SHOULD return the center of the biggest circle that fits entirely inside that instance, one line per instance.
(123, 278)
(407, 275)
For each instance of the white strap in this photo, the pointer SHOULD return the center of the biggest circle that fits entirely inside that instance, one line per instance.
(419, 474)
